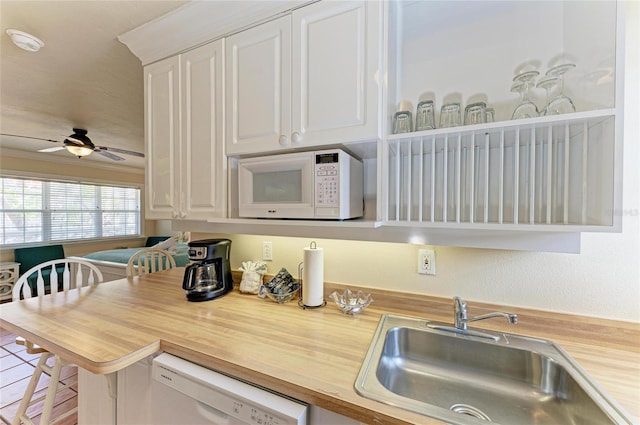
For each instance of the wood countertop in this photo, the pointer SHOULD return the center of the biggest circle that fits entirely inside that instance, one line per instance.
(312, 355)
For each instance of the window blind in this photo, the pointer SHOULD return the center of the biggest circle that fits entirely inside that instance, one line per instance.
(40, 211)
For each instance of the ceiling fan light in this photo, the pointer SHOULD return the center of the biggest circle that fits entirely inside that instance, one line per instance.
(79, 151)
(25, 41)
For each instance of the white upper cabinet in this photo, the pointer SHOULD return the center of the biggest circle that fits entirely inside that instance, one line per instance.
(259, 87)
(186, 168)
(258, 82)
(162, 135)
(203, 163)
(307, 79)
(336, 57)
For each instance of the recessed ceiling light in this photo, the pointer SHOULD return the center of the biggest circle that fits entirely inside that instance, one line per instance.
(25, 40)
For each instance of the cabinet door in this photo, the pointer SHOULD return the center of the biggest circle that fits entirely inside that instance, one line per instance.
(134, 394)
(162, 94)
(258, 82)
(336, 56)
(96, 404)
(203, 171)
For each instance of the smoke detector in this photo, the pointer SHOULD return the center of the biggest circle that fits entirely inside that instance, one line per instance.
(25, 40)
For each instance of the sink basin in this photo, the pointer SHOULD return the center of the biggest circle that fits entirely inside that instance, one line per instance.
(462, 379)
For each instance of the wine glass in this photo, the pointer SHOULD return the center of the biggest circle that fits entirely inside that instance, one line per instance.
(521, 83)
(554, 79)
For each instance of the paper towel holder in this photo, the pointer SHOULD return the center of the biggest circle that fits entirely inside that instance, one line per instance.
(301, 304)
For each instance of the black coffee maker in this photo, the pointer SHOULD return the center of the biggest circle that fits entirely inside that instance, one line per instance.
(209, 274)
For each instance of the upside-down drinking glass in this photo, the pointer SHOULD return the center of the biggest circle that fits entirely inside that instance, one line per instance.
(425, 116)
(475, 113)
(526, 108)
(491, 115)
(402, 122)
(450, 115)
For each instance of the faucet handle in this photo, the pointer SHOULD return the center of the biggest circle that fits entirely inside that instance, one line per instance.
(459, 313)
(459, 304)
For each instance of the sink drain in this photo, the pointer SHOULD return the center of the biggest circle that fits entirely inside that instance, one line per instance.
(465, 409)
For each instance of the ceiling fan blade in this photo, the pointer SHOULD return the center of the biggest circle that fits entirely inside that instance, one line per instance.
(29, 137)
(124, 151)
(53, 149)
(75, 141)
(102, 150)
(109, 155)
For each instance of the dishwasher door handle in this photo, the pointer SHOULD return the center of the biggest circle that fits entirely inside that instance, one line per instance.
(216, 416)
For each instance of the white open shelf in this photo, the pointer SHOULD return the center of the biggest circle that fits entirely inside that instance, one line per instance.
(557, 173)
(355, 223)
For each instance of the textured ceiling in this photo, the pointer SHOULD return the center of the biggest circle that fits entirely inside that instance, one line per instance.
(83, 76)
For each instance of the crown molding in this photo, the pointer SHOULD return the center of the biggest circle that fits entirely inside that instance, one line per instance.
(199, 22)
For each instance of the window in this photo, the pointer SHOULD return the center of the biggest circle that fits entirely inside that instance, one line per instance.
(41, 211)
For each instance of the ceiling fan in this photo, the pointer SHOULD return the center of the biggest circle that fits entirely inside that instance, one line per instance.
(80, 145)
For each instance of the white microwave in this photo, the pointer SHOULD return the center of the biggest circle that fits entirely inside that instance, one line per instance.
(324, 185)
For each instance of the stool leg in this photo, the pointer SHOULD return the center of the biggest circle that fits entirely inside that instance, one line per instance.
(28, 394)
(51, 391)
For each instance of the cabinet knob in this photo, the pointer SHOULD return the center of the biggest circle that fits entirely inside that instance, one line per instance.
(282, 140)
(296, 138)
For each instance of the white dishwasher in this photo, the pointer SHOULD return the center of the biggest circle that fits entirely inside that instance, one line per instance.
(188, 394)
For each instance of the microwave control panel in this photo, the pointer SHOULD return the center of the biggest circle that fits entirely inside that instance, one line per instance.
(327, 177)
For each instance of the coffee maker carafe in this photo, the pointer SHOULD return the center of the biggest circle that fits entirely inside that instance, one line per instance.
(209, 275)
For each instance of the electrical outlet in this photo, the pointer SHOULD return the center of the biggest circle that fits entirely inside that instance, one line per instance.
(427, 261)
(267, 251)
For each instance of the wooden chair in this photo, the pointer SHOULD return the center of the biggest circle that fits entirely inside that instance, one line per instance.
(75, 273)
(149, 260)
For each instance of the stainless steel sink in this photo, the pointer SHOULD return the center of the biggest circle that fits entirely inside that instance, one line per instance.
(462, 379)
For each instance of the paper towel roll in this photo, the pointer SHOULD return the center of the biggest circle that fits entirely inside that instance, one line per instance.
(313, 276)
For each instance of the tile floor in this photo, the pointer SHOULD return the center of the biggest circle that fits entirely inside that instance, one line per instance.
(16, 368)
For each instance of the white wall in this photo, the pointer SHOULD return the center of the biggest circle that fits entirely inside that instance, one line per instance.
(602, 281)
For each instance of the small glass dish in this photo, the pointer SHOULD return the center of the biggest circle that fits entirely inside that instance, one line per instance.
(280, 297)
(350, 303)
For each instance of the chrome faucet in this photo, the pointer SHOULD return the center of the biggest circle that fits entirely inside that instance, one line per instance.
(461, 320)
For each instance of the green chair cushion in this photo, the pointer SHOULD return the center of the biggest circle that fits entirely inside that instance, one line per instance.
(30, 257)
(46, 276)
(152, 240)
